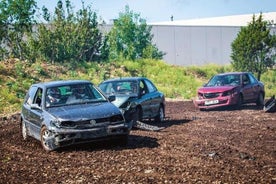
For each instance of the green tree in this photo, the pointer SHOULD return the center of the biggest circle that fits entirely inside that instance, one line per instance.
(16, 21)
(131, 38)
(254, 48)
(67, 36)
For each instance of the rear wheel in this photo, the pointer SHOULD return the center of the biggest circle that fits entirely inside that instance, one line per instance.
(161, 115)
(46, 139)
(260, 100)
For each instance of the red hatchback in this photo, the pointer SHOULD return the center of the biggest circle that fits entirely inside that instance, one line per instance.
(230, 89)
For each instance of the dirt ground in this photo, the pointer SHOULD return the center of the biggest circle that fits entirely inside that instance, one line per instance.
(219, 146)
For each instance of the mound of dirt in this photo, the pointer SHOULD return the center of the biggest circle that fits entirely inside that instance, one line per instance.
(219, 146)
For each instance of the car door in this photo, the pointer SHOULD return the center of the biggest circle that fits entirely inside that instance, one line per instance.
(248, 88)
(35, 117)
(145, 99)
(255, 87)
(154, 98)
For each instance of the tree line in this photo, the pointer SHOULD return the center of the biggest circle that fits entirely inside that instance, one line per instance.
(68, 36)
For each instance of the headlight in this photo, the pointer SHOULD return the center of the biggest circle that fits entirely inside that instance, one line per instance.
(125, 105)
(56, 123)
(200, 95)
(230, 92)
(227, 93)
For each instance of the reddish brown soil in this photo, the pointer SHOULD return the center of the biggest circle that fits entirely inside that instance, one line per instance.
(221, 146)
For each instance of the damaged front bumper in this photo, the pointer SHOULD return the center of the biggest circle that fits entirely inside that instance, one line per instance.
(215, 103)
(60, 137)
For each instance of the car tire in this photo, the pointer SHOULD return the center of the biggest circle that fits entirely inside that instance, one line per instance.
(24, 131)
(139, 114)
(161, 115)
(260, 100)
(44, 135)
(240, 102)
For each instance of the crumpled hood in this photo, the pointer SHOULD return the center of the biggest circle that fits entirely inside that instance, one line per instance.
(120, 100)
(84, 111)
(215, 89)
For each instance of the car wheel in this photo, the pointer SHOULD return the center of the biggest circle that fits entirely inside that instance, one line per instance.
(260, 100)
(138, 115)
(24, 131)
(161, 115)
(240, 102)
(46, 139)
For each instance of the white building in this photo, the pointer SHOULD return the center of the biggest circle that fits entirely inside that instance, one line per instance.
(202, 41)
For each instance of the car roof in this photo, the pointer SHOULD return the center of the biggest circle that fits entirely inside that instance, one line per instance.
(61, 83)
(230, 73)
(125, 79)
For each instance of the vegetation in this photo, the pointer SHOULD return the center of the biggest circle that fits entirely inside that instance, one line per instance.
(16, 20)
(66, 36)
(176, 82)
(131, 38)
(69, 37)
(255, 48)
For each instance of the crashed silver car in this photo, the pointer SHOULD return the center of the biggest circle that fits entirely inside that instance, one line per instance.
(62, 113)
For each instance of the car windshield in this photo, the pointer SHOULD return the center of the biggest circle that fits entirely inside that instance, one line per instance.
(72, 94)
(119, 87)
(224, 80)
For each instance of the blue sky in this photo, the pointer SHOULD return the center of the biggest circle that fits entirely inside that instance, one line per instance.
(162, 10)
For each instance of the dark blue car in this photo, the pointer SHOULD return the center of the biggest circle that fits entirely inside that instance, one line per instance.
(137, 97)
(62, 113)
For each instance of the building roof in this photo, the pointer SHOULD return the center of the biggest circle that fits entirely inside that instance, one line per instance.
(234, 20)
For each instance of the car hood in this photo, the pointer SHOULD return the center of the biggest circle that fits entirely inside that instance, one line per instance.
(121, 99)
(84, 111)
(215, 89)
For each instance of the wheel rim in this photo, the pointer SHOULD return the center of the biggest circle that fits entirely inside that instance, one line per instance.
(45, 137)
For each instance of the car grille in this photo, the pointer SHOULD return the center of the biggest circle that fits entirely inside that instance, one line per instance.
(91, 123)
(211, 95)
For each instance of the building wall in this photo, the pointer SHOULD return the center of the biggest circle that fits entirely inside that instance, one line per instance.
(196, 45)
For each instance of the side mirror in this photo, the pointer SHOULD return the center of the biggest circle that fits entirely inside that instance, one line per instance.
(112, 98)
(35, 106)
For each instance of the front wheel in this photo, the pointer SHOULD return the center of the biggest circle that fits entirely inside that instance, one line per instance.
(161, 115)
(260, 100)
(240, 102)
(46, 138)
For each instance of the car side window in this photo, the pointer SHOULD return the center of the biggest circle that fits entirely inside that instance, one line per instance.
(245, 79)
(31, 95)
(150, 86)
(142, 88)
(38, 97)
(253, 80)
